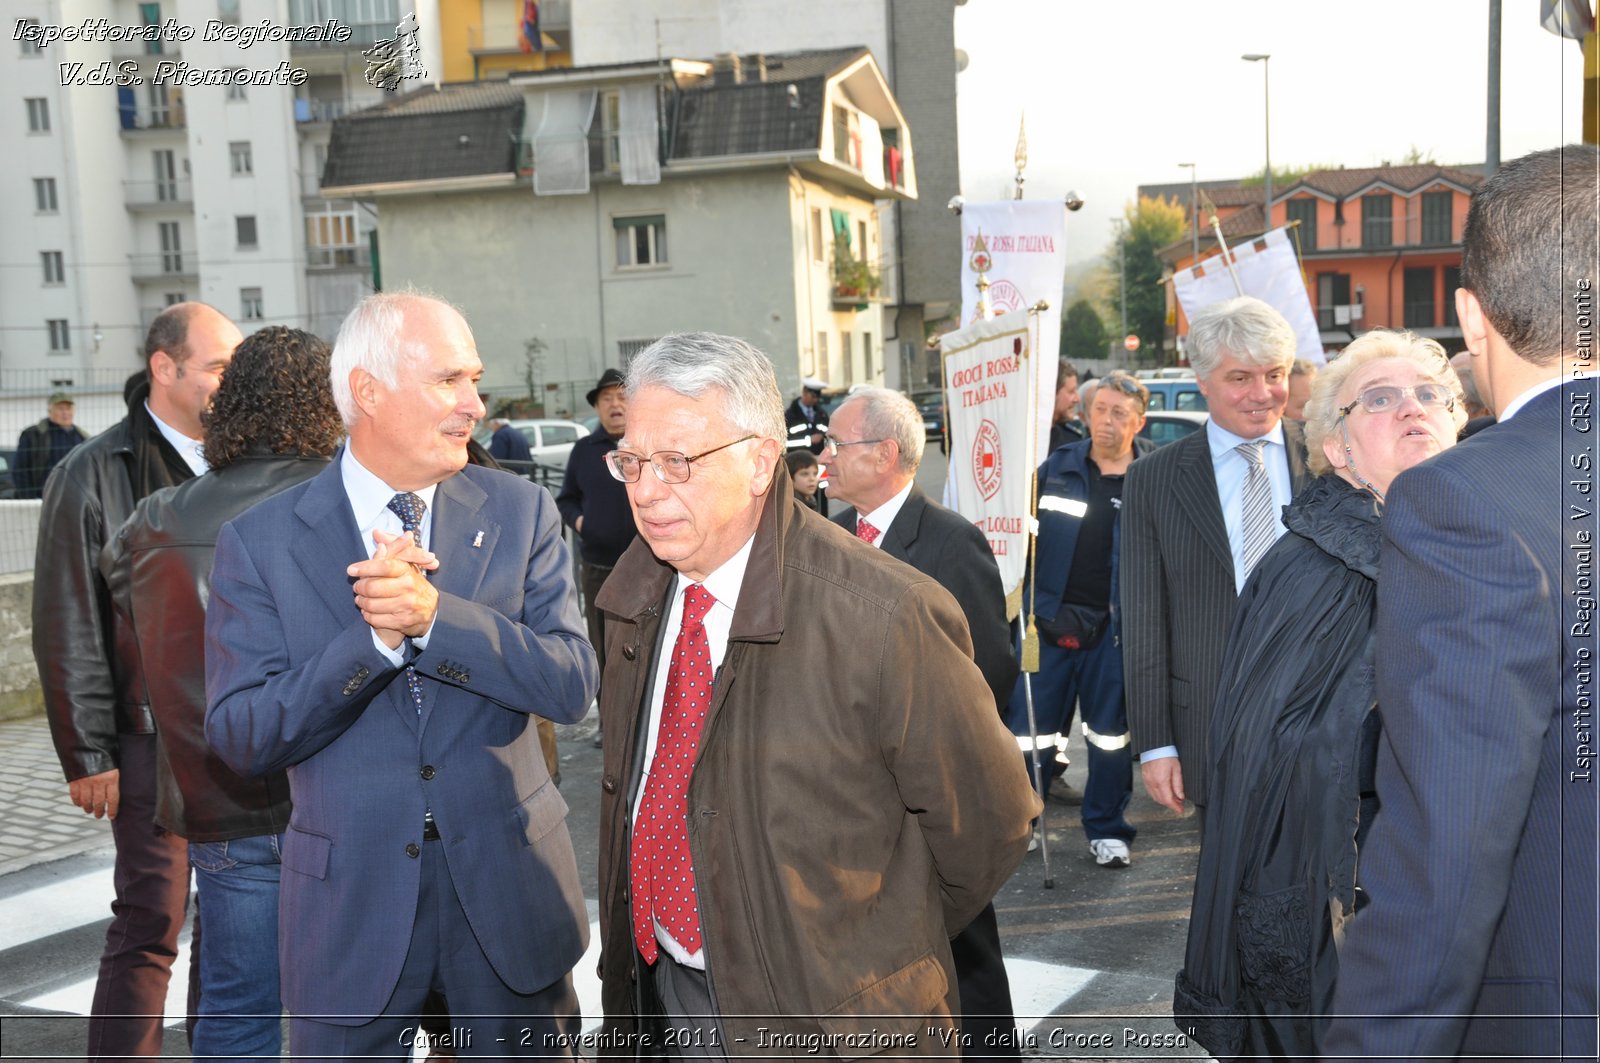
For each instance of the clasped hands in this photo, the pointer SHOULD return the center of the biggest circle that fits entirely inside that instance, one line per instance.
(393, 593)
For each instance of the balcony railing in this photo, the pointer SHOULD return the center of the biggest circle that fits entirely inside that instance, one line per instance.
(352, 256)
(319, 110)
(165, 265)
(173, 193)
(362, 35)
(146, 51)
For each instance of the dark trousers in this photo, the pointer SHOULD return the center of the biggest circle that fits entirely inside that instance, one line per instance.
(988, 1027)
(679, 1014)
(152, 892)
(487, 1017)
(594, 577)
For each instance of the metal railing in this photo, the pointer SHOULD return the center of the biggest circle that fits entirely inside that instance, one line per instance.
(315, 109)
(158, 193)
(337, 257)
(165, 264)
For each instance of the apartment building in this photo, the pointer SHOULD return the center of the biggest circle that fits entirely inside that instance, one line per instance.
(167, 151)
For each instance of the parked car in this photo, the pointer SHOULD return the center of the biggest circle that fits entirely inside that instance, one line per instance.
(1180, 393)
(931, 405)
(550, 440)
(1168, 426)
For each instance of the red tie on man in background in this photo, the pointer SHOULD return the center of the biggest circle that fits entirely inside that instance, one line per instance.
(659, 868)
(866, 532)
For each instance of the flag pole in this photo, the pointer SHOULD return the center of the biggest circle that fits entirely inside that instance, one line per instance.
(1030, 634)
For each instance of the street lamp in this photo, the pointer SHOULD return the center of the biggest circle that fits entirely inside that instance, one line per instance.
(1194, 214)
(1266, 88)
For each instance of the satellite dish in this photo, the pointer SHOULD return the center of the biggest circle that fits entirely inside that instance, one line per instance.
(961, 59)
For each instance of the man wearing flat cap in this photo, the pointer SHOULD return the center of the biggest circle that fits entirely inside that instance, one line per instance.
(594, 504)
(44, 444)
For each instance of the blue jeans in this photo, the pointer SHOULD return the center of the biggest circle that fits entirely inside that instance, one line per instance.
(239, 1005)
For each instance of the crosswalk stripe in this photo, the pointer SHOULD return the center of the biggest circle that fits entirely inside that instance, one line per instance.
(1038, 988)
(47, 910)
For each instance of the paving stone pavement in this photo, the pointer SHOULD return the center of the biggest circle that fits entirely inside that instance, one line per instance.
(40, 823)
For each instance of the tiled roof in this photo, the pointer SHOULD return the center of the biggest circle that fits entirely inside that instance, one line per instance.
(755, 117)
(447, 98)
(426, 136)
(1341, 183)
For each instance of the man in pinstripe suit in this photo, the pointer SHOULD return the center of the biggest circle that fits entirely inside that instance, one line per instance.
(1188, 538)
(1480, 938)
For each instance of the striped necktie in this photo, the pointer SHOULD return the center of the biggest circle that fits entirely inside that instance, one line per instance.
(1258, 529)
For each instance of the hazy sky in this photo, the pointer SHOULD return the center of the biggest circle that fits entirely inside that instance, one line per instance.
(1118, 93)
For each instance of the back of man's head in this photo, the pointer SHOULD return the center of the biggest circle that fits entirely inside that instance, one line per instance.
(275, 398)
(888, 414)
(1245, 327)
(1530, 248)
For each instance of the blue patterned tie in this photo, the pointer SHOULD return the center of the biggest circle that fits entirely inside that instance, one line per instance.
(409, 508)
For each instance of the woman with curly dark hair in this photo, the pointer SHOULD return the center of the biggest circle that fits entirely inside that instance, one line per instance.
(277, 401)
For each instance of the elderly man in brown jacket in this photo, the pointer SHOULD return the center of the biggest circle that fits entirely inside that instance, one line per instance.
(809, 791)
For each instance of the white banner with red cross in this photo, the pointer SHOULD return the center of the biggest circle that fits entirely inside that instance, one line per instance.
(989, 372)
(1021, 247)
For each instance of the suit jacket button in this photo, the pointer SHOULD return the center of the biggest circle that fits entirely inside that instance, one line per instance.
(629, 652)
(412, 850)
(609, 784)
(463, 676)
(443, 670)
(427, 771)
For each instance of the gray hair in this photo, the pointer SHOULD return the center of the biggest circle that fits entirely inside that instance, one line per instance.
(370, 339)
(1086, 392)
(1303, 367)
(888, 414)
(1322, 408)
(1245, 327)
(692, 363)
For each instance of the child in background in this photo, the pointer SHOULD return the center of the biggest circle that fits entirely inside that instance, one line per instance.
(806, 473)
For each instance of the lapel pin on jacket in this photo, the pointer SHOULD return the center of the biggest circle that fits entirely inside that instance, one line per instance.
(477, 540)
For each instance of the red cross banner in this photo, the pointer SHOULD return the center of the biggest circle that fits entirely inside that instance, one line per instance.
(989, 373)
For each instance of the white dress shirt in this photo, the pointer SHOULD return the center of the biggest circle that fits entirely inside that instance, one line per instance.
(723, 585)
(369, 504)
(885, 514)
(188, 449)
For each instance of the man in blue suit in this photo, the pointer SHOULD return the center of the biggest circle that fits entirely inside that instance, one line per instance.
(384, 632)
(1480, 936)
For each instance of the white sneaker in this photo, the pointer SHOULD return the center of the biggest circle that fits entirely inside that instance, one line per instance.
(1111, 852)
(1033, 840)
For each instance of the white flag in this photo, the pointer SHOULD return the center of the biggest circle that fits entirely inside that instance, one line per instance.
(1268, 270)
(989, 371)
(1024, 256)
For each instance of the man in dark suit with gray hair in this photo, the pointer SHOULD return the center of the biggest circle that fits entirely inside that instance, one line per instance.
(1480, 936)
(1197, 516)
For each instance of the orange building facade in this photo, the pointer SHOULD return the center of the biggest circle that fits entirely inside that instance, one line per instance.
(1379, 247)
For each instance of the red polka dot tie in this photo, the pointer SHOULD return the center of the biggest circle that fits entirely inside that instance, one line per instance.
(659, 868)
(866, 532)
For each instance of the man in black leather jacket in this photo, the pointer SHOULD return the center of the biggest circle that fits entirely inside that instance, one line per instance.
(94, 692)
(272, 425)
